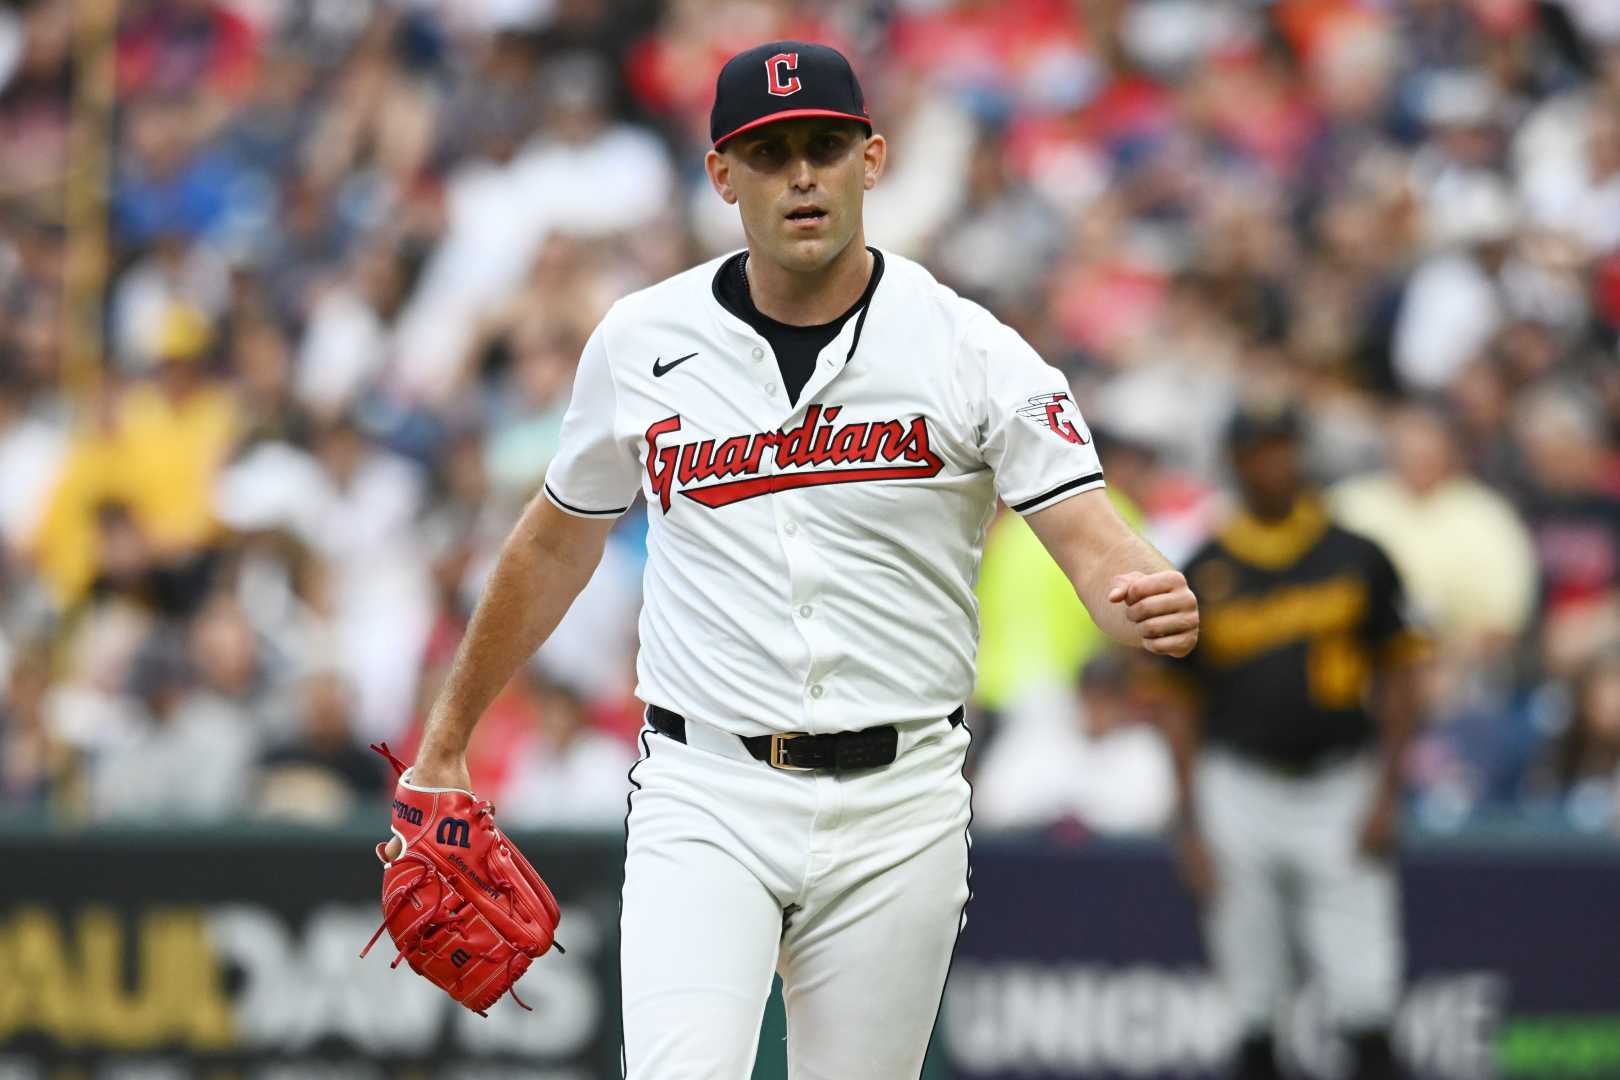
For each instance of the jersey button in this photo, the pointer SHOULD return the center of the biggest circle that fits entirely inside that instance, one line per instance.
(770, 388)
(816, 691)
(790, 528)
(759, 354)
(805, 610)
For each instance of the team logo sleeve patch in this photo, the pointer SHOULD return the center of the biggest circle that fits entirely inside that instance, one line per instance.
(1049, 409)
(1034, 437)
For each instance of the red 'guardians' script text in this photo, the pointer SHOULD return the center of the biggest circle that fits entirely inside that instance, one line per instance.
(818, 441)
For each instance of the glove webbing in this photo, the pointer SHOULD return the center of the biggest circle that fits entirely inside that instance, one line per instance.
(441, 914)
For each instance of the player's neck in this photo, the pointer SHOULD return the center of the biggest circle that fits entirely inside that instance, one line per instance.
(1289, 513)
(810, 298)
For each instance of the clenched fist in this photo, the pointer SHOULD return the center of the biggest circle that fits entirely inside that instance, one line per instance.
(1162, 607)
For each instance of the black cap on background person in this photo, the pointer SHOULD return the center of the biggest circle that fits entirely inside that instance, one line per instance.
(1257, 422)
(783, 80)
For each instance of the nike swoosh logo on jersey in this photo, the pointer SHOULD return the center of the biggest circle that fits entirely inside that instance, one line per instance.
(661, 368)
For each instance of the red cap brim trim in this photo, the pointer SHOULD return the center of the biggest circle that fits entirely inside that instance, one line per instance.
(791, 114)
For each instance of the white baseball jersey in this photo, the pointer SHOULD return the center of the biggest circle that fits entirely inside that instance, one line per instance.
(811, 567)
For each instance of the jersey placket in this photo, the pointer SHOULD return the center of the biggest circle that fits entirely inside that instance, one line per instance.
(796, 519)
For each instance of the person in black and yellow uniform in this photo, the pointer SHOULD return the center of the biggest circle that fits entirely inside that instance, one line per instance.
(1297, 705)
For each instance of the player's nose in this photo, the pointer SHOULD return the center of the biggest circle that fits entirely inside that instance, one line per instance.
(803, 175)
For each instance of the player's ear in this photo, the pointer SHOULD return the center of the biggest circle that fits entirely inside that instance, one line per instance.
(718, 167)
(877, 152)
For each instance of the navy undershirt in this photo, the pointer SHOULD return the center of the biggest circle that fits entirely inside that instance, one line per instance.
(796, 347)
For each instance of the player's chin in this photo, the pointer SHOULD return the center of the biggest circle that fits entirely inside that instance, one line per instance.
(809, 249)
(806, 252)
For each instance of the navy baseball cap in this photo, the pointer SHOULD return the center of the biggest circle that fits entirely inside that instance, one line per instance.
(781, 80)
(1253, 423)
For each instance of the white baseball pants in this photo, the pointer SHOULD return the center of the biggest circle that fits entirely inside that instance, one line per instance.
(1286, 863)
(853, 887)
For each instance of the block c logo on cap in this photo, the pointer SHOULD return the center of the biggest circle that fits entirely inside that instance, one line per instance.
(774, 67)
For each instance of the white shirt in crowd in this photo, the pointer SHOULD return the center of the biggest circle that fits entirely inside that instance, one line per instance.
(31, 453)
(580, 785)
(367, 531)
(1043, 767)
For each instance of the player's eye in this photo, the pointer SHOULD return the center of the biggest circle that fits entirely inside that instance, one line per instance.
(767, 154)
(829, 147)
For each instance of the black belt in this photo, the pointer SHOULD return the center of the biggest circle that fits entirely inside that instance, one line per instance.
(800, 751)
(1302, 768)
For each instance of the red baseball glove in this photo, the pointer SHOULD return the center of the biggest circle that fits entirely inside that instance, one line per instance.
(464, 907)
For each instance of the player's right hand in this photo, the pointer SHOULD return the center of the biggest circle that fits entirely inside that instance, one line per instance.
(446, 772)
(1194, 866)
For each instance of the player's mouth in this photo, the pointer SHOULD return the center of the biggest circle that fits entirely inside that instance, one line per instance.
(806, 217)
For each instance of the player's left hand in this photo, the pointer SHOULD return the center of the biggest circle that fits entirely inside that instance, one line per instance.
(1162, 607)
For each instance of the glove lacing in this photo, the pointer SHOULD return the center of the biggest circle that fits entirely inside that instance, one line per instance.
(450, 910)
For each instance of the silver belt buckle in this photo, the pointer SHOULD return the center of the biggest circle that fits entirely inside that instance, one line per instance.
(779, 741)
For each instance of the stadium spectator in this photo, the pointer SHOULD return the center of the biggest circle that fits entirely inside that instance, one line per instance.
(1454, 303)
(31, 448)
(233, 665)
(527, 426)
(1005, 235)
(190, 754)
(183, 44)
(35, 62)
(362, 521)
(258, 357)
(31, 761)
(566, 773)
(1582, 772)
(1089, 760)
(174, 281)
(347, 338)
(150, 453)
(353, 249)
(170, 181)
(1462, 547)
(1574, 516)
(320, 775)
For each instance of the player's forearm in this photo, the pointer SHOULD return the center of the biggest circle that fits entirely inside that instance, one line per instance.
(1094, 576)
(1133, 593)
(1093, 545)
(1398, 716)
(543, 565)
(1182, 733)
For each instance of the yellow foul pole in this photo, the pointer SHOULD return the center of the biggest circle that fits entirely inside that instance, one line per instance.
(85, 196)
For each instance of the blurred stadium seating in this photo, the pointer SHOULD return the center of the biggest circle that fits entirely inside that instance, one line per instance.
(291, 293)
(351, 252)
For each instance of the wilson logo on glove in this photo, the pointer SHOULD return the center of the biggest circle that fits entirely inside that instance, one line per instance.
(470, 925)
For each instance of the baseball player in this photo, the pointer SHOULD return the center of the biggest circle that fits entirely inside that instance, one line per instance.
(1301, 704)
(821, 431)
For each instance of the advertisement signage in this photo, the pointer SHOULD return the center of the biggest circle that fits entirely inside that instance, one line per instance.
(1088, 964)
(233, 956)
(237, 957)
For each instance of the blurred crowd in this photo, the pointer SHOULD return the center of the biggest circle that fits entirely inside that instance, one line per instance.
(353, 251)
